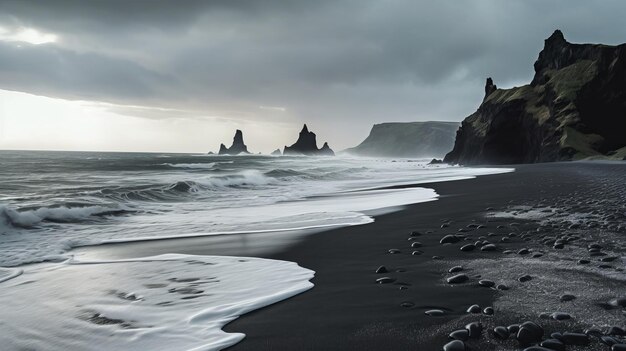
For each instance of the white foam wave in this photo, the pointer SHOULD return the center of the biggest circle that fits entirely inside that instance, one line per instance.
(167, 302)
(11, 218)
(209, 165)
(250, 177)
(9, 273)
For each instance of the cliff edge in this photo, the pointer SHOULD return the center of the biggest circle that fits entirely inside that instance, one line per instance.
(574, 108)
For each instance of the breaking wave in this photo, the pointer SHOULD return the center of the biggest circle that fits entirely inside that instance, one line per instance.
(180, 190)
(12, 218)
(209, 165)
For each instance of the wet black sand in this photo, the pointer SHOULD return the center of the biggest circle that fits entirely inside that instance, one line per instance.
(348, 310)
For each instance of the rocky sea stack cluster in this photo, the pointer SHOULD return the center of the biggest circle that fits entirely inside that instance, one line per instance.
(574, 108)
(307, 145)
(238, 147)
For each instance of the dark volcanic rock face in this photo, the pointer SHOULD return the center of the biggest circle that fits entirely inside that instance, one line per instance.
(237, 148)
(575, 107)
(307, 145)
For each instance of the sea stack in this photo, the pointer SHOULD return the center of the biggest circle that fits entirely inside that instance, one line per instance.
(572, 109)
(276, 152)
(307, 145)
(238, 147)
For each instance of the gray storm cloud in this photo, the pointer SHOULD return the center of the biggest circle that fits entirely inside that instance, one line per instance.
(341, 64)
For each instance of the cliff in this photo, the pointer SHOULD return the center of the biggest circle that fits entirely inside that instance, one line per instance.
(413, 139)
(307, 145)
(575, 107)
(238, 146)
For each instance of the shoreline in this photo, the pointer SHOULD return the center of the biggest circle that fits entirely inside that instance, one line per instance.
(346, 309)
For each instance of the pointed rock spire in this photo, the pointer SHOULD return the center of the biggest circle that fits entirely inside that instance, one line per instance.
(489, 87)
(306, 145)
(556, 37)
(238, 146)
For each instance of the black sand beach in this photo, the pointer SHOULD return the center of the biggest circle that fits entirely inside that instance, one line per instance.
(565, 212)
(347, 310)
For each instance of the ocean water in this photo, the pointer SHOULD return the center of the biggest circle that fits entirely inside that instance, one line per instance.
(51, 202)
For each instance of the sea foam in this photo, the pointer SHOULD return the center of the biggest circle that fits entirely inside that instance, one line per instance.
(166, 302)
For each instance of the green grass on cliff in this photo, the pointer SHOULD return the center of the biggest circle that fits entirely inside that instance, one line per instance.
(582, 144)
(568, 81)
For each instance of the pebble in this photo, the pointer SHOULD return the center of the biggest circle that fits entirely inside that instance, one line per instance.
(394, 251)
(618, 347)
(560, 316)
(382, 269)
(593, 332)
(501, 332)
(567, 297)
(457, 279)
(524, 278)
(488, 311)
(455, 269)
(553, 344)
(415, 233)
(523, 252)
(417, 252)
(575, 339)
(488, 247)
(454, 345)
(513, 328)
(385, 280)
(434, 313)
(473, 309)
(468, 247)
(607, 340)
(583, 261)
(475, 329)
(616, 331)
(529, 333)
(407, 304)
(416, 244)
(537, 348)
(449, 239)
(619, 302)
(486, 283)
(502, 287)
(461, 334)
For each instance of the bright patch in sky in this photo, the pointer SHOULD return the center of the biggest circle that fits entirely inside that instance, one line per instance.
(42, 123)
(26, 35)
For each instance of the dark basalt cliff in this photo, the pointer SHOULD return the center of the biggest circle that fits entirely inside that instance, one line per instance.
(575, 107)
(412, 139)
(307, 145)
(238, 147)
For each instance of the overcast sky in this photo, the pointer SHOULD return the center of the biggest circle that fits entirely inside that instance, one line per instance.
(183, 75)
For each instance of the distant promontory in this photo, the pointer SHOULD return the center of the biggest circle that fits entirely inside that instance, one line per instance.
(411, 139)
